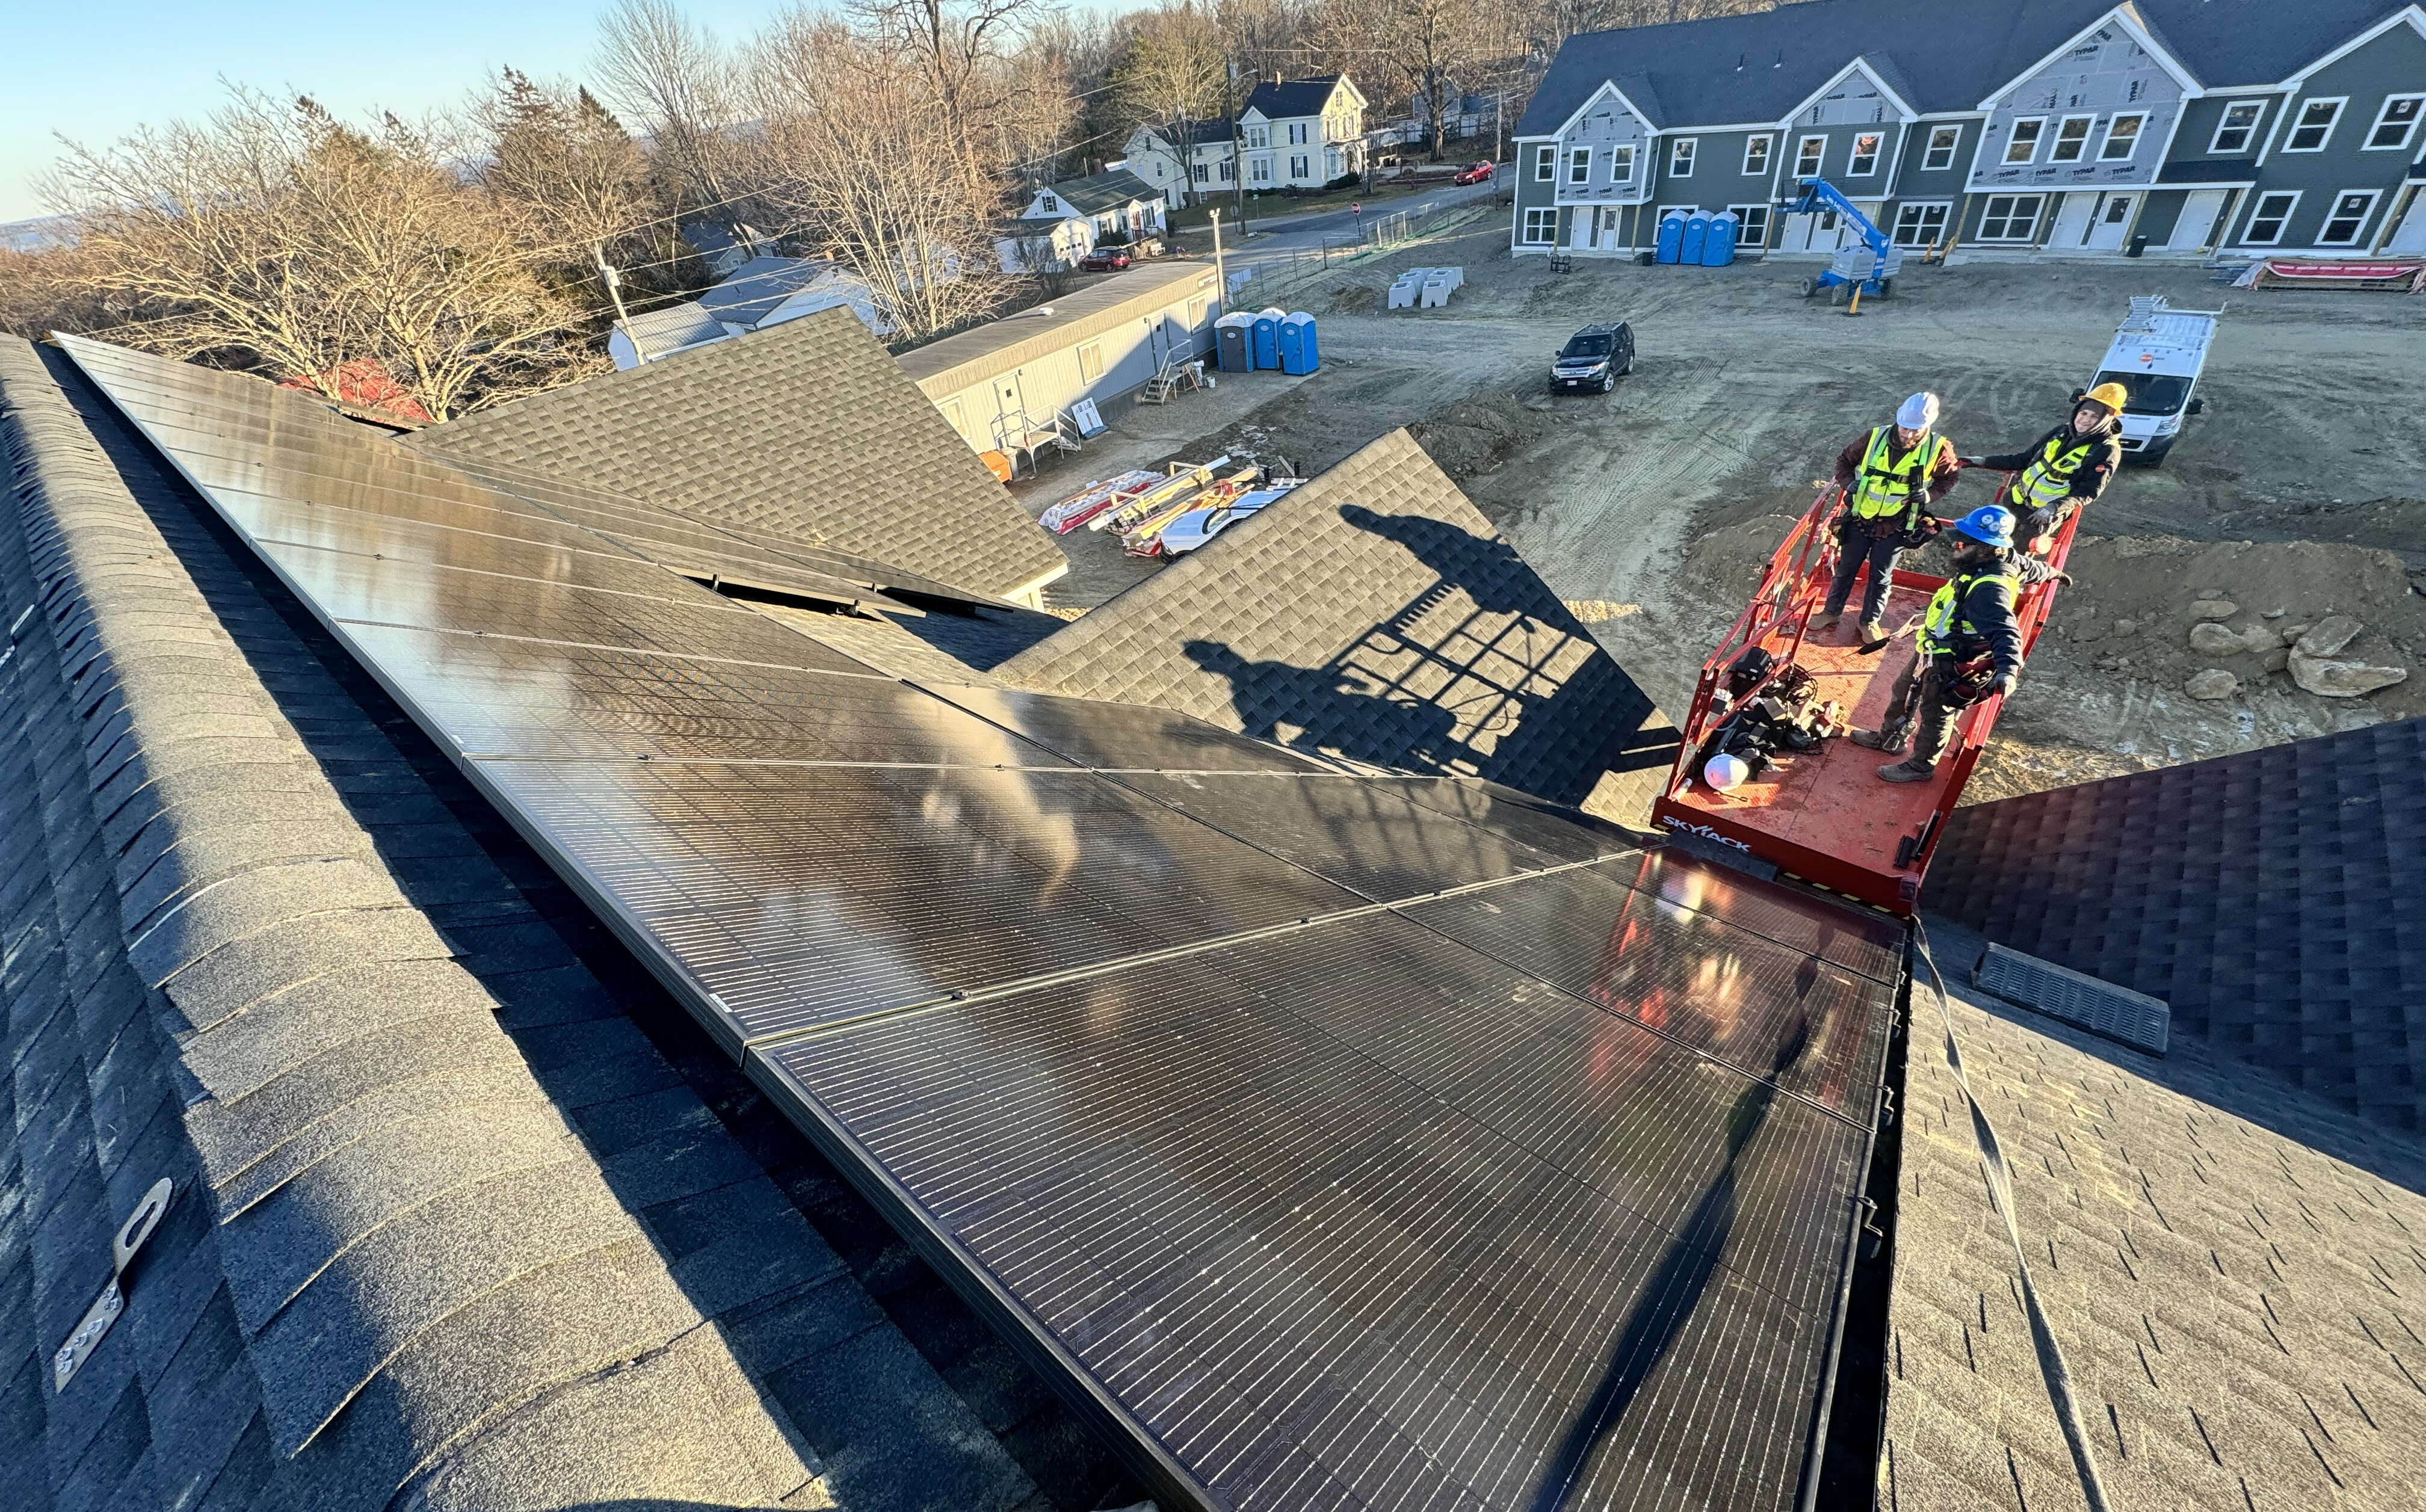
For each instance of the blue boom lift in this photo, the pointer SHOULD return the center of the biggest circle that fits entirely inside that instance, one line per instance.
(1870, 267)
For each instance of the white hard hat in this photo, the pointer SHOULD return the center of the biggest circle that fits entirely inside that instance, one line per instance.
(1919, 413)
(1724, 772)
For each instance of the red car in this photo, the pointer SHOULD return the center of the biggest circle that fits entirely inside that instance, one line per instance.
(1104, 260)
(1478, 173)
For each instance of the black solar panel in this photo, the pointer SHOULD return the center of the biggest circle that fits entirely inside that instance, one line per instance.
(1346, 1141)
(1357, 1217)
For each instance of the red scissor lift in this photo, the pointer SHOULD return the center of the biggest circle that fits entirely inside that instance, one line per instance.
(1824, 815)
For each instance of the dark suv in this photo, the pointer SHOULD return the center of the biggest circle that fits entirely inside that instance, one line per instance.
(1594, 357)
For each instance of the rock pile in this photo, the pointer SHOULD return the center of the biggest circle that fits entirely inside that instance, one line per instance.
(2309, 652)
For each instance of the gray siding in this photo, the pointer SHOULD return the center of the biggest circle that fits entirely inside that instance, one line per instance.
(1717, 179)
(1917, 181)
(2394, 63)
(2108, 75)
(2196, 158)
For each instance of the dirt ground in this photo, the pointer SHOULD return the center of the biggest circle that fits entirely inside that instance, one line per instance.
(1651, 504)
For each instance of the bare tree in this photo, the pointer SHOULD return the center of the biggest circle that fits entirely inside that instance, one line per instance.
(956, 44)
(563, 160)
(854, 149)
(272, 236)
(672, 76)
(1424, 47)
(1173, 72)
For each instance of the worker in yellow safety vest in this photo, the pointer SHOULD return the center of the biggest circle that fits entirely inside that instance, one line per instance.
(2064, 470)
(1887, 480)
(1970, 647)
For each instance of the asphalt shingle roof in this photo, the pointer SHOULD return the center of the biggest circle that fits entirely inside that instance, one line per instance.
(655, 332)
(752, 291)
(1108, 190)
(2276, 899)
(806, 430)
(1942, 55)
(1375, 614)
(1291, 97)
(2229, 1265)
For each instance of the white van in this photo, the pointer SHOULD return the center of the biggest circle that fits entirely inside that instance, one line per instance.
(2157, 355)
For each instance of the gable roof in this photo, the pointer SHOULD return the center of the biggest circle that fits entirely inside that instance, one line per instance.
(750, 293)
(807, 429)
(655, 332)
(1278, 99)
(1108, 190)
(1943, 56)
(1352, 617)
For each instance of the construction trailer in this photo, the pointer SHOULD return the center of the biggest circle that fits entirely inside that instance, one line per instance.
(1022, 376)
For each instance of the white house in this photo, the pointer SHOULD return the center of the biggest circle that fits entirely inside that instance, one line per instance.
(1205, 168)
(761, 291)
(1303, 134)
(1065, 221)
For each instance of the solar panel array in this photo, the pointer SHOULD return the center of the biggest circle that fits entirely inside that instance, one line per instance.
(1340, 1141)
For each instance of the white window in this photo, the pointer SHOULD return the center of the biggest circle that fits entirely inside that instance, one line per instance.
(2266, 222)
(1921, 225)
(2239, 125)
(1229, 170)
(1091, 362)
(1544, 157)
(2395, 123)
(1203, 174)
(2314, 126)
(953, 416)
(1757, 154)
(1195, 314)
(1680, 158)
(1942, 142)
(2023, 144)
(2347, 219)
(2122, 139)
(1297, 134)
(1752, 235)
(1260, 170)
(1259, 135)
(1866, 155)
(1299, 168)
(2071, 139)
(1580, 164)
(1048, 205)
(1540, 226)
(1807, 154)
(2011, 218)
(1620, 162)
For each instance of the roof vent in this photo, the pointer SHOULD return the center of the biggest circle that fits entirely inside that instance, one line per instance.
(2118, 1013)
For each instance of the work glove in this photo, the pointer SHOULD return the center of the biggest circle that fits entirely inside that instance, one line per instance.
(2001, 686)
(1971, 461)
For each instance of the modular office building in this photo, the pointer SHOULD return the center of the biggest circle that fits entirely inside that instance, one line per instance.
(2240, 127)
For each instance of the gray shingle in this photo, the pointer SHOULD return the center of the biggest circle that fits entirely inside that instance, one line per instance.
(1375, 615)
(807, 429)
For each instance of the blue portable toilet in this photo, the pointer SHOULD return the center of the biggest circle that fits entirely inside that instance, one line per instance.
(1719, 247)
(1697, 235)
(1298, 354)
(1671, 236)
(1267, 338)
(1234, 341)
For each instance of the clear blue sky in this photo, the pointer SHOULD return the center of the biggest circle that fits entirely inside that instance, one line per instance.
(97, 69)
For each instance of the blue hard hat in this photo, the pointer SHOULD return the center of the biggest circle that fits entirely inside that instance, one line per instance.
(1991, 524)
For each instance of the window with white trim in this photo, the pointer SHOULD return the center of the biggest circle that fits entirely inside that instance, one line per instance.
(1540, 226)
(1866, 155)
(2023, 144)
(954, 416)
(1229, 170)
(2266, 221)
(1203, 172)
(2239, 127)
(1680, 158)
(1923, 225)
(1808, 155)
(2011, 218)
(1297, 134)
(1300, 167)
(1260, 170)
(2122, 139)
(1580, 164)
(1048, 205)
(1259, 135)
(1544, 158)
(1091, 362)
(1756, 153)
(2395, 123)
(2071, 139)
(2347, 219)
(2314, 126)
(1942, 142)
(1620, 162)
(1752, 233)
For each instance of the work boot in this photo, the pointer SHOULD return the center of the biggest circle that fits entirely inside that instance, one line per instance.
(1873, 630)
(1911, 769)
(1825, 623)
(1890, 741)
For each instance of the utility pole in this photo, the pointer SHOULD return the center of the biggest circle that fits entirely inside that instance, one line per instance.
(1220, 273)
(615, 292)
(1237, 153)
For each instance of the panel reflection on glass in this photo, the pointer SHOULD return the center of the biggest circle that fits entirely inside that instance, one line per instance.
(1125, 735)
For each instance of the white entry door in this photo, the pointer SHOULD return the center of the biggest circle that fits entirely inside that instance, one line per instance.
(2072, 221)
(1812, 234)
(2411, 238)
(2113, 218)
(2197, 220)
(1581, 221)
(1606, 239)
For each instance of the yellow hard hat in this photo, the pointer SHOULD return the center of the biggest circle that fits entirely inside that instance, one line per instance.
(2110, 394)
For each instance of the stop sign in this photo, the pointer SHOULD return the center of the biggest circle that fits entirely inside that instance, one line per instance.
(1356, 209)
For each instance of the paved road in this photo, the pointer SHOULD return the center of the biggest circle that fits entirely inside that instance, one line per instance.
(1338, 225)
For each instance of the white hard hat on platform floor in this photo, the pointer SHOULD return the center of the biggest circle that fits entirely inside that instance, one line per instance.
(1919, 413)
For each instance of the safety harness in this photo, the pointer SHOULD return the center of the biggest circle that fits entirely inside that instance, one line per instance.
(1944, 631)
(1885, 487)
(2049, 475)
